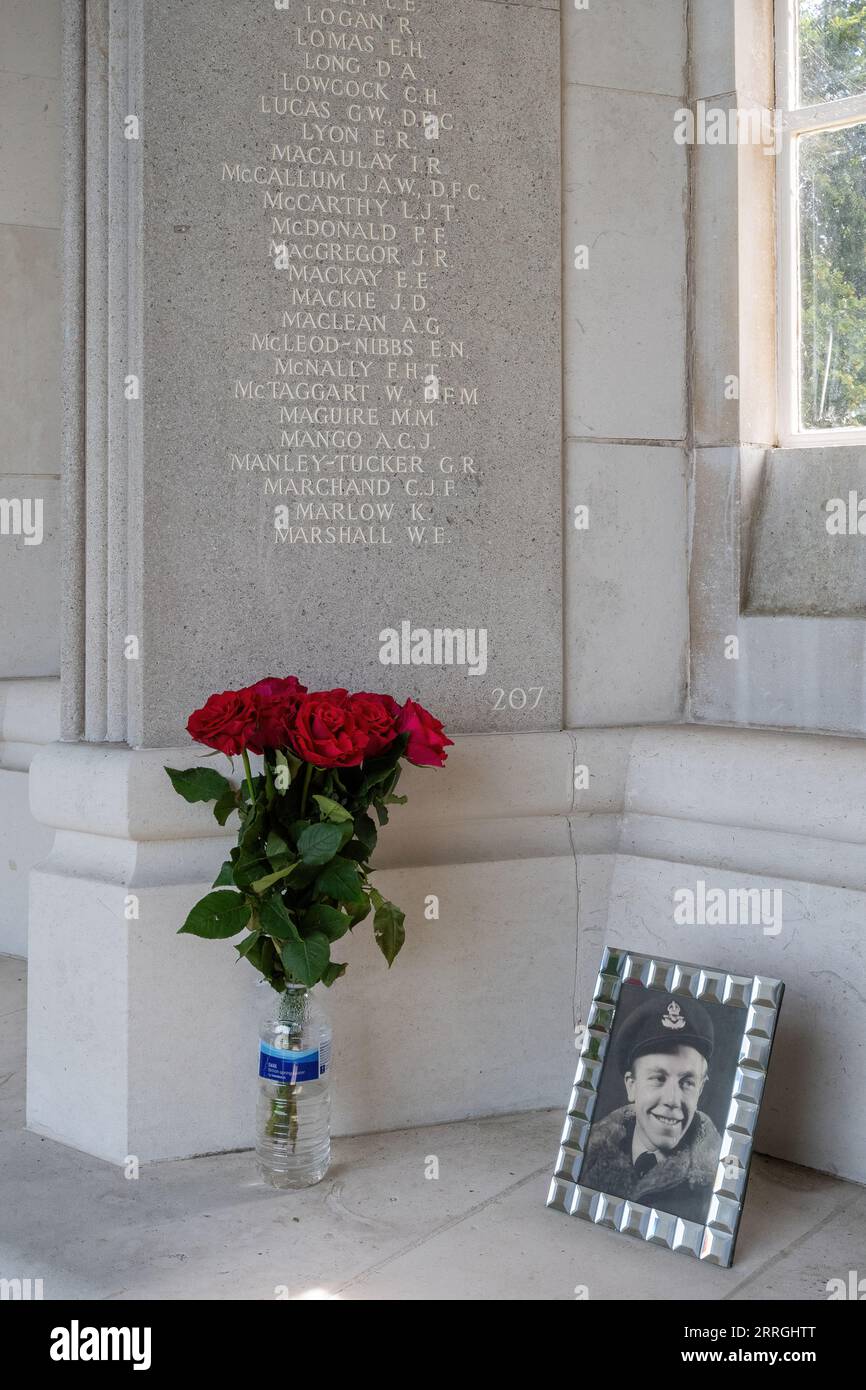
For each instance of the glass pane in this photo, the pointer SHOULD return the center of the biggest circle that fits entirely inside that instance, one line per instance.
(832, 49)
(833, 278)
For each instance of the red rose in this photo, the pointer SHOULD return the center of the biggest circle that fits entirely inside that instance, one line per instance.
(276, 686)
(226, 722)
(327, 731)
(378, 714)
(277, 703)
(427, 740)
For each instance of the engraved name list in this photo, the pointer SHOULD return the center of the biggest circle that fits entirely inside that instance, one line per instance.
(364, 382)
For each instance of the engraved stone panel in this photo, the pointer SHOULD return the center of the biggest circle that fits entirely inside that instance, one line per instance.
(351, 378)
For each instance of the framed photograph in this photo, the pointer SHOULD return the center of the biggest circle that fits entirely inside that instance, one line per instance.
(658, 1136)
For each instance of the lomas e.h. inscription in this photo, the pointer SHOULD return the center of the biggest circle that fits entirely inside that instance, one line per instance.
(383, 339)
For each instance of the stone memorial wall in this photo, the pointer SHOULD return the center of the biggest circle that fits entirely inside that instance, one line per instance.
(351, 396)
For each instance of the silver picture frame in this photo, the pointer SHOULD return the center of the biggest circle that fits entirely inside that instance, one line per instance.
(761, 998)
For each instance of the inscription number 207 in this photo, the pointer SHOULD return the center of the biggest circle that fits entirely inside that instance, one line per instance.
(519, 698)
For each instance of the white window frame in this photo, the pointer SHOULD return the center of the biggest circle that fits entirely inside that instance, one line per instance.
(796, 120)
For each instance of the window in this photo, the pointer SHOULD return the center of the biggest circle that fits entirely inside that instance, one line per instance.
(821, 92)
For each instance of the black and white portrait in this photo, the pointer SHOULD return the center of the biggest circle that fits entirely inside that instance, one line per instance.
(664, 1095)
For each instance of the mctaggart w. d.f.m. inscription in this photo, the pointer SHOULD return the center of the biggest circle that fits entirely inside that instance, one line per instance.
(660, 1127)
(366, 399)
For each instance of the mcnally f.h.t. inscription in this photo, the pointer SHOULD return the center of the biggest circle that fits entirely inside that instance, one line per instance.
(359, 202)
(352, 423)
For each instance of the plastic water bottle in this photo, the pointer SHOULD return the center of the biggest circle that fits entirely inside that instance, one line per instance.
(293, 1120)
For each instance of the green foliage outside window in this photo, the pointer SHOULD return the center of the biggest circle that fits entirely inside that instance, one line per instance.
(833, 220)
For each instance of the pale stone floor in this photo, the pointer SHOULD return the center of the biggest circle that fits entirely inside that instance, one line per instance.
(376, 1228)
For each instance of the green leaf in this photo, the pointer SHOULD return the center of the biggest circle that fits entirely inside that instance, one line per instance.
(366, 832)
(225, 877)
(303, 877)
(227, 803)
(218, 916)
(275, 920)
(340, 881)
(200, 784)
(332, 810)
(250, 868)
(275, 847)
(355, 851)
(328, 920)
(382, 813)
(266, 960)
(359, 911)
(254, 949)
(393, 800)
(270, 792)
(252, 827)
(388, 930)
(319, 843)
(249, 944)
(379, 769)
(306, 959)
(261, 885)
(333, 971)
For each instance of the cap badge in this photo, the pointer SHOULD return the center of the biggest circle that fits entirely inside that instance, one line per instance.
(673, 1018)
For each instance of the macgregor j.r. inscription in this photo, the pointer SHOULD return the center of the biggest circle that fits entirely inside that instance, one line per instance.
(355, 210)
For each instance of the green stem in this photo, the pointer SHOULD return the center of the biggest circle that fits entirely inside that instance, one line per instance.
(288, 1096)
(307, 775)
(246, 757)
(285, 1104)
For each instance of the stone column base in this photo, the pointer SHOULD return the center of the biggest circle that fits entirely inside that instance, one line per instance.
(142, 1042)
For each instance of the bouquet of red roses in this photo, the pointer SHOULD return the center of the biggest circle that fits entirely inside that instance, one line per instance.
(298, 878)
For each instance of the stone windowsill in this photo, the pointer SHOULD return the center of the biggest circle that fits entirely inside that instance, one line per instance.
(798, 568)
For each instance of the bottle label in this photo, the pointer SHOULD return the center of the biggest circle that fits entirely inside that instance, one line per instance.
(291, 1068)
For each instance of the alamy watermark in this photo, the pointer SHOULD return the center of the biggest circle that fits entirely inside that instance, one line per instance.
(22, 516)
(438, 646)
(77, 1343)
(716, 125)
(729, 907)
(21, 1290)
(851, 1288)
(846, 516)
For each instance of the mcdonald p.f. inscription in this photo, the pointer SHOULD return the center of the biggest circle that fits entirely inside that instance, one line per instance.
(352, 352)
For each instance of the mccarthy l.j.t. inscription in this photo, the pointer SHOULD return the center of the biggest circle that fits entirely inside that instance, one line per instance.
(371, 404)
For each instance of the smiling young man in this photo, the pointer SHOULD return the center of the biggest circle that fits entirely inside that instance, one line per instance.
(659, 1149)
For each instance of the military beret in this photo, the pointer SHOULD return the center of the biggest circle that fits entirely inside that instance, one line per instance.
(661, 1023)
